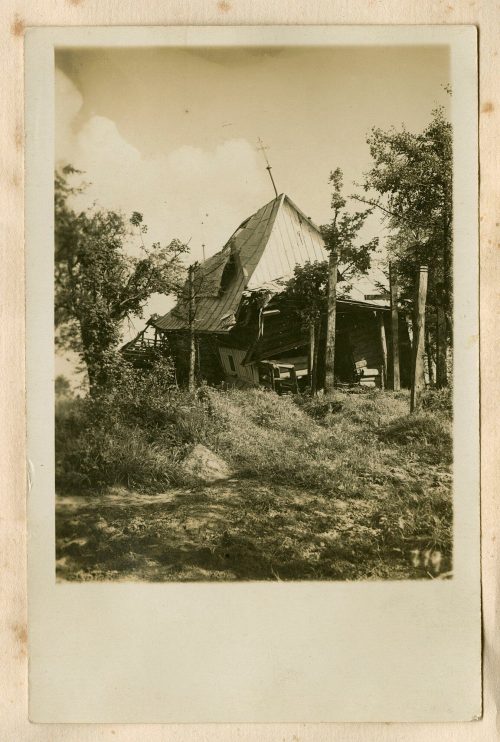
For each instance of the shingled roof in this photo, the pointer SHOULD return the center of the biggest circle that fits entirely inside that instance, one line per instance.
(264, 248)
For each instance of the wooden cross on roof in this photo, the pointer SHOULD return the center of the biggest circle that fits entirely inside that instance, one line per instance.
(262, 148)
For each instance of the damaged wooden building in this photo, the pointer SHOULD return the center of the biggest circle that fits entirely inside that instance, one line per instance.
(244, 330)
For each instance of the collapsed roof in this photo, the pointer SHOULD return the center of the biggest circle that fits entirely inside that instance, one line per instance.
(263, 251)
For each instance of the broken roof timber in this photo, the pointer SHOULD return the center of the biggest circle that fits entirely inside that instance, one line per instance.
(262, 253)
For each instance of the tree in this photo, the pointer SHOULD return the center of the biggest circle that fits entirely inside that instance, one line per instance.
(411, 180)
(347, 259)
(98, 285)
(305, 294)
(191, 302)
(315, 284)
(62, 387)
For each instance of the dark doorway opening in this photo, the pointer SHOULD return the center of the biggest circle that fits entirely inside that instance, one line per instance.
(345, 368)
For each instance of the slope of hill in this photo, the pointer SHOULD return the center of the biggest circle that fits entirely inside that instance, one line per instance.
(343, 487)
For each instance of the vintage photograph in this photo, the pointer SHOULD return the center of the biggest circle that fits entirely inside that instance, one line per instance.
(253, 317)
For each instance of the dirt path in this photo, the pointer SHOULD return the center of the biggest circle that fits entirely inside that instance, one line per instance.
(236, 530)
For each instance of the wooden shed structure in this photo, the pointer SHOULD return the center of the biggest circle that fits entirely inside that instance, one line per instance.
(242, 325)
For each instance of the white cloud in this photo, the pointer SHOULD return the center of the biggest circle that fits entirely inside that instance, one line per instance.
(186, 193)
(190, 193)
(100, 142)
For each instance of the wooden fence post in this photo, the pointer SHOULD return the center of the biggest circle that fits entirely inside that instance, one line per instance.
(393, 284)
(312, 357)
(383, 345)
(418, 378)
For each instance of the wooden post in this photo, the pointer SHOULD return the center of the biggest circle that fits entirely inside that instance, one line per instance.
(383, 345)
(393, 284)
(330, 324)
(428, 353)
(312, 357)
(192, 339)
(273, 380)
(418, 378)
(317, 332)
(198, 360)
(441, 372)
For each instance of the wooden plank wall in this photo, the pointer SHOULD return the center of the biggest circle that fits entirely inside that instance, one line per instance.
(247, 373)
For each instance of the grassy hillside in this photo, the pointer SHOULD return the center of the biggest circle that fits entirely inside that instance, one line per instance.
(342, 487)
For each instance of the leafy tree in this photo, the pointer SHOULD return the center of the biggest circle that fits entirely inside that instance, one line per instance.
(314, 285)
(411, 184)
(62, 387)
(306, 293)
(341, 234)
(97, 284)
(347, 258)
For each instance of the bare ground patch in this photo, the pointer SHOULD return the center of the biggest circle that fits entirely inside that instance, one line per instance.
(238, 530)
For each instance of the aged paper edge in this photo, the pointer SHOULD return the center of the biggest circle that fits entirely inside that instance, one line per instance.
(13, 694)
(299, 640)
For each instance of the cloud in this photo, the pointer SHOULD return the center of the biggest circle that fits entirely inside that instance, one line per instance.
(189, 193)
(100, 143)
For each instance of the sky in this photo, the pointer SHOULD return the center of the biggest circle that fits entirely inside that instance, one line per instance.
(172, 133)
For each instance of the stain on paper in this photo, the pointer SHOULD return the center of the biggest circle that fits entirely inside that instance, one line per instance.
(17, 28)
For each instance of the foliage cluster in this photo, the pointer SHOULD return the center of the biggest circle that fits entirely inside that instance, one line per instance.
(412, 177)
(99, 282)
(410, 183)
(439, 400)
(342, 232)
(134, 432)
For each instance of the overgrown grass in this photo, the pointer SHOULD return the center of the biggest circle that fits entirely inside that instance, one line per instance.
(438, 400)
(93, 452)
(134, 435)
(339, 487)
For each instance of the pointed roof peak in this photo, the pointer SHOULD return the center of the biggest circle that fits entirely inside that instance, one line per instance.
(300, 212)
(268, 245)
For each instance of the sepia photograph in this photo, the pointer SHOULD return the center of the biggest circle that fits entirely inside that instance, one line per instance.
(253, 313)
(252, 374)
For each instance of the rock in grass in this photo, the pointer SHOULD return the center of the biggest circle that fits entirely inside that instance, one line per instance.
(206, 465)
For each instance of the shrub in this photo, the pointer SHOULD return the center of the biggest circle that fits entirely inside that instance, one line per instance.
(319, 407)
(438, 400)
(133, 433)
(428, 434)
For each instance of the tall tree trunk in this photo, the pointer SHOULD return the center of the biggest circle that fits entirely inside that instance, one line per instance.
(418, 378)
(444, 328)
(393, 284)
(192, 338)
(448, 269)
(331, 322)
(92, 377)
(441, 349)
(312, 358)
